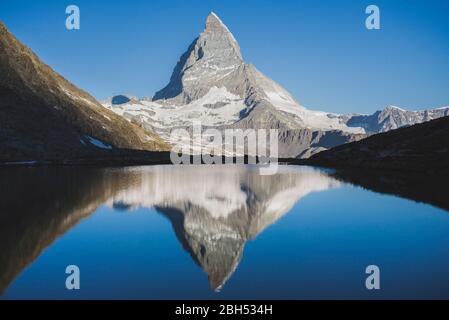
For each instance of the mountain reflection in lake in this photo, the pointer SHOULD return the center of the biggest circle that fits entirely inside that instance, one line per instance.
(125, 248)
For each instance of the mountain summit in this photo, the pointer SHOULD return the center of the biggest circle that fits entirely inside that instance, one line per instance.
(214, 26)
(214, 60)
(209, 61)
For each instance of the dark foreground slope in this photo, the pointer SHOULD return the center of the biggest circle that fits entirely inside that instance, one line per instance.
(419, 148)
(45, 117)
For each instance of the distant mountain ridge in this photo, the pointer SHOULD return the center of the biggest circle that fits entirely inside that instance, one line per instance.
(393, 117)
(45, 117)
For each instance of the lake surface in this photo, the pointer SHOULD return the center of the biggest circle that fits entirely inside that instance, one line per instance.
(213, 232)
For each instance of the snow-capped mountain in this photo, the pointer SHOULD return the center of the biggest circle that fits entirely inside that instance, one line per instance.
(212, 84)
(393, 118)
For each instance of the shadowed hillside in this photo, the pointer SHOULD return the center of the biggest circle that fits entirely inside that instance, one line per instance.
(419, 148)
(45, 117)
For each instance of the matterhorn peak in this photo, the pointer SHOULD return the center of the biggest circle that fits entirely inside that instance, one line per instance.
(214, 24)
(217, 30)
(211, 61)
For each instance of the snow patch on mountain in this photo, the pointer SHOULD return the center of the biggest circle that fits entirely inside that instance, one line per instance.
(97, 143)
(218, 107)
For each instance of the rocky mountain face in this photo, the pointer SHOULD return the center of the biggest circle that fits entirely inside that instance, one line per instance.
(212, 84)
(393, 118)
(213, 59)
(419, 148)
(45, 117)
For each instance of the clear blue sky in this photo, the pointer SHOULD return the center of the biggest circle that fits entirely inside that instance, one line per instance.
(318, 50)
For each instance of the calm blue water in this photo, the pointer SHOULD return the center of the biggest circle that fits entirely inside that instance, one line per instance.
(214, 233)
